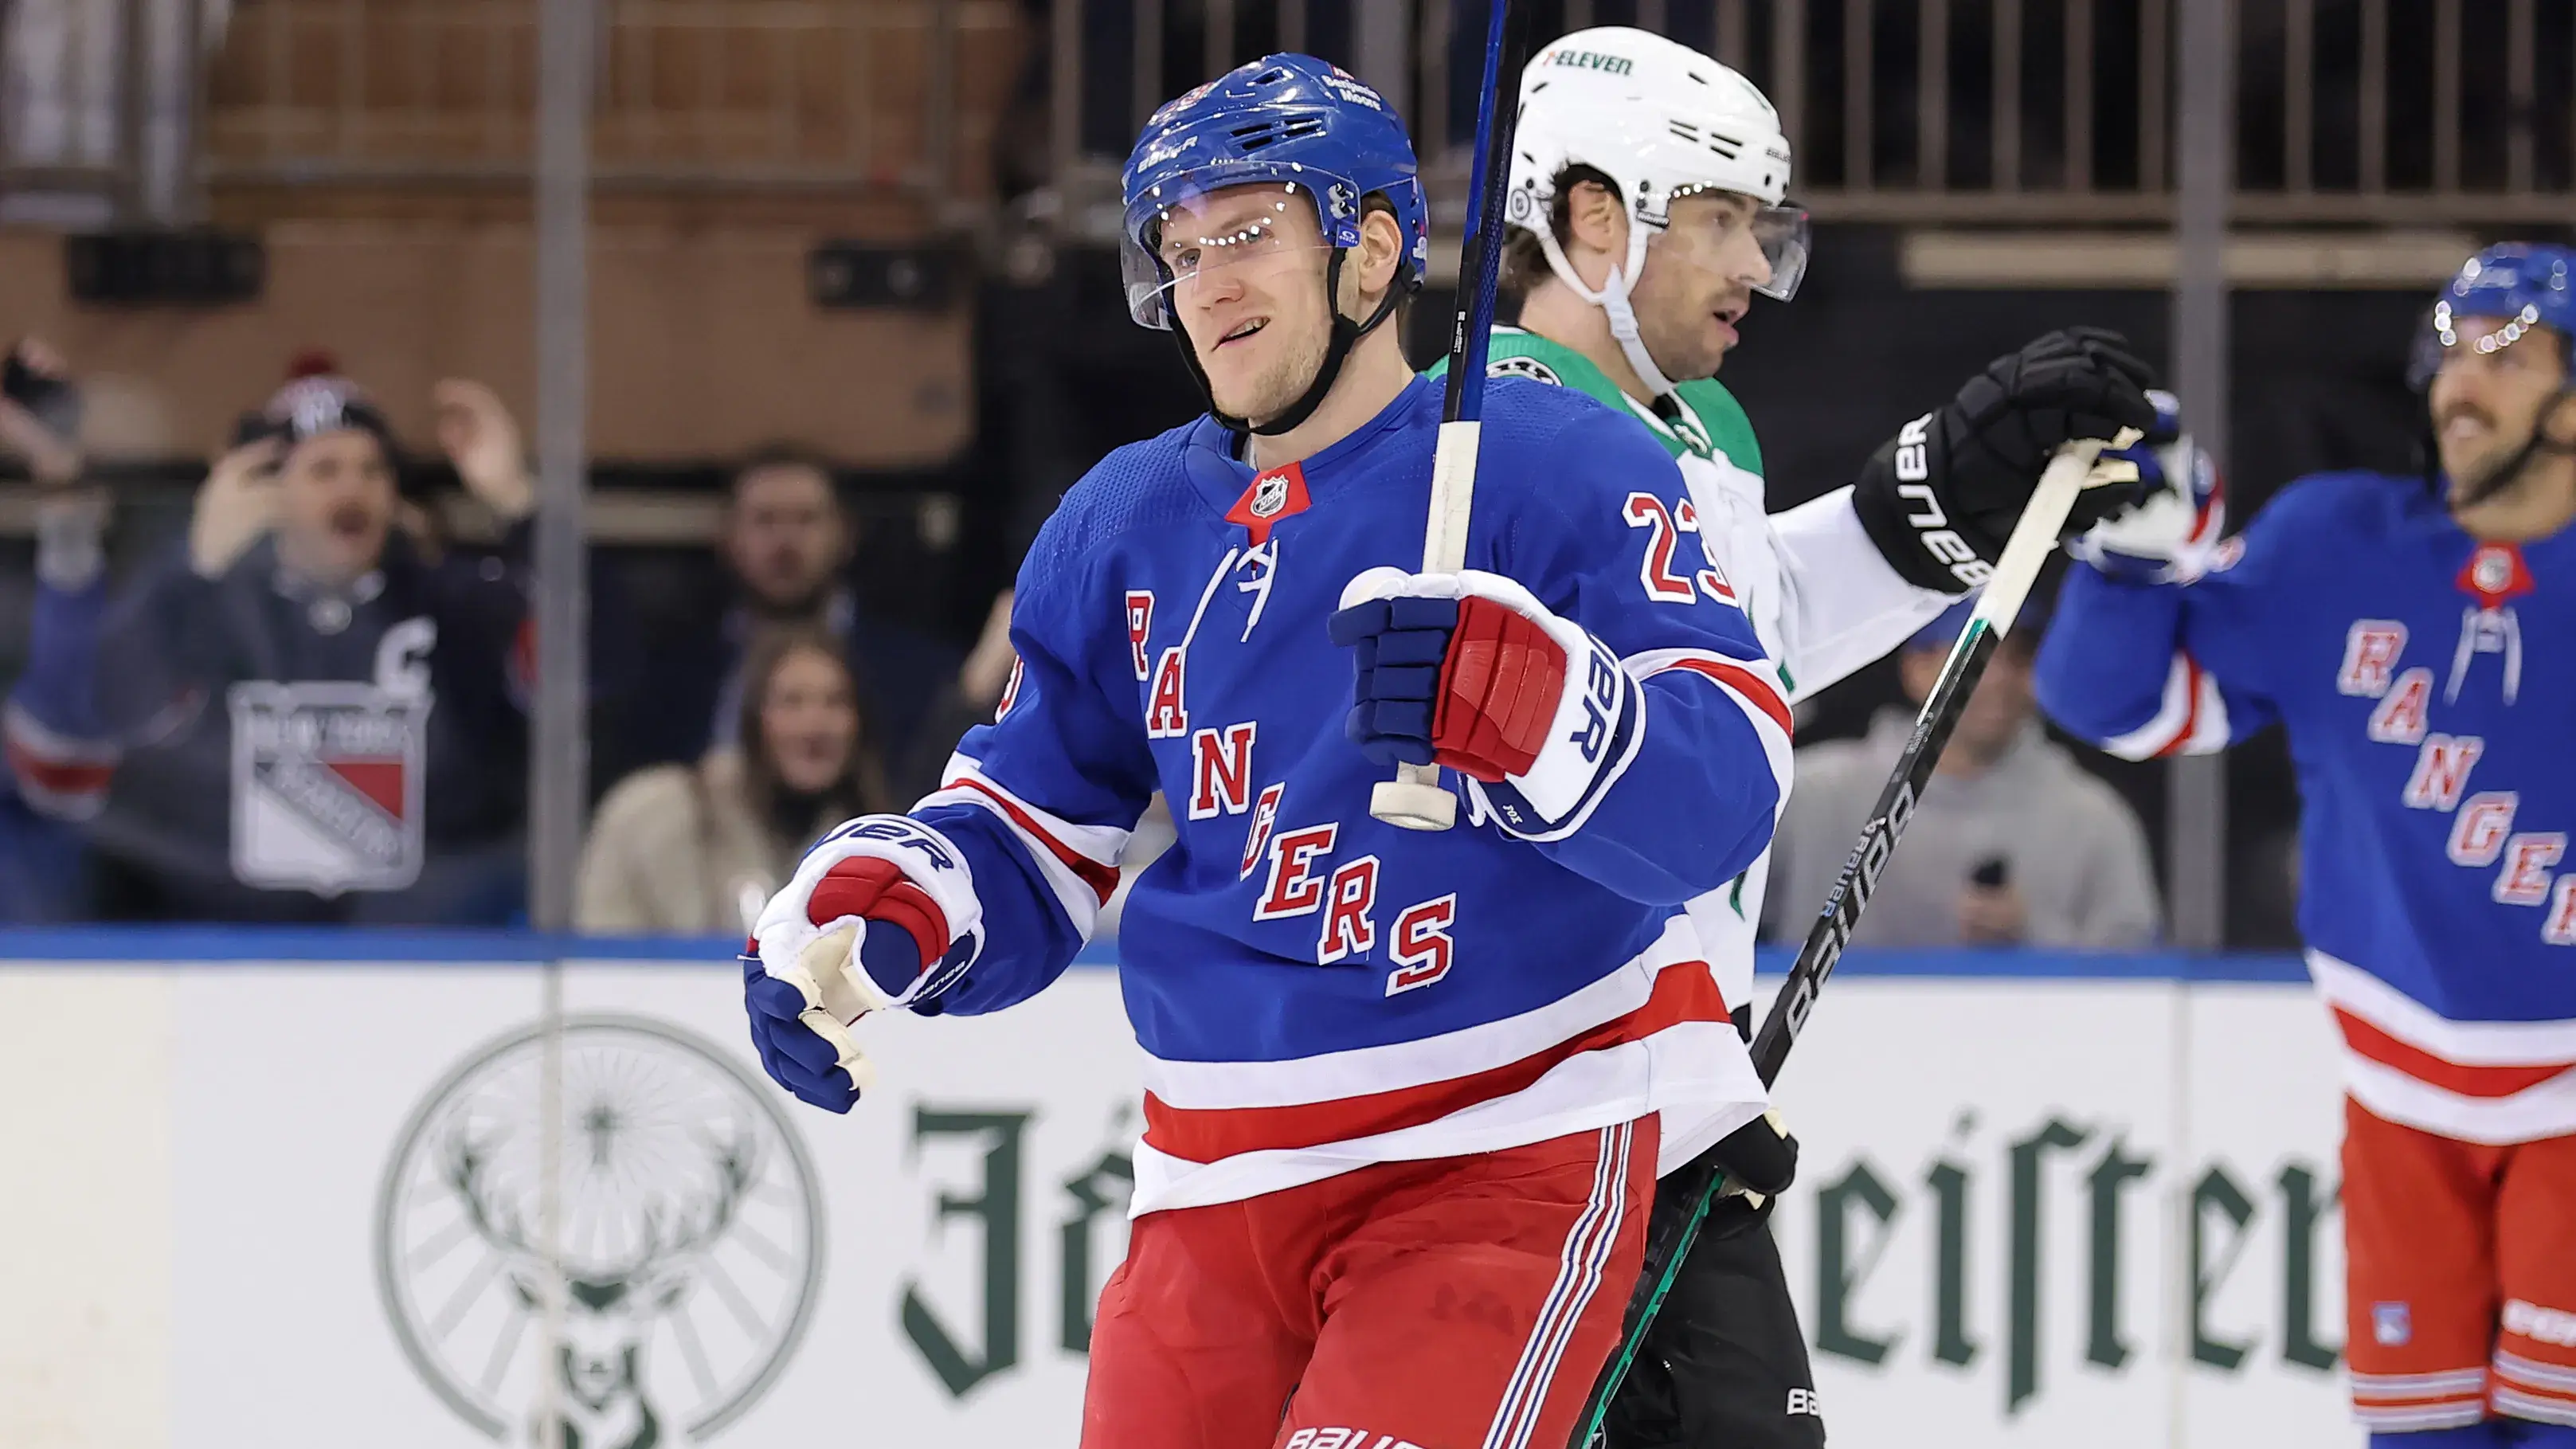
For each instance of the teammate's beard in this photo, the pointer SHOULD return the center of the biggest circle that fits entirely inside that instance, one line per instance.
(2503, 468)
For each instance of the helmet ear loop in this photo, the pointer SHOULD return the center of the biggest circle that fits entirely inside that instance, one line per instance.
(1611, 298)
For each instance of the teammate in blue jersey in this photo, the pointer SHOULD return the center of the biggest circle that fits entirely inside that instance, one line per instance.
(2414, 638)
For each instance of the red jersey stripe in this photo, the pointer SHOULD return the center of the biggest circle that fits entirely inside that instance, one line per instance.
(2376, 1045)
(1103, 879)
(1682, 992)
(1744, 682)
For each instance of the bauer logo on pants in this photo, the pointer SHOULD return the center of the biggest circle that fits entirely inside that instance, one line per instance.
(327, 786)
(688, 1228)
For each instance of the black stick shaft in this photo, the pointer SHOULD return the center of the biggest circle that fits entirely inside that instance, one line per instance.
(1697, 1183)
(1480, 255)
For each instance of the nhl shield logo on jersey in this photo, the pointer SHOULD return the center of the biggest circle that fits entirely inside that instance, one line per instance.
(1269, 498)
(327, 785)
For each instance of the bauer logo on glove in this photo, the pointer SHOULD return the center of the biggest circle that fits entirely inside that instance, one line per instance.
(871, 921)
(1470, 671)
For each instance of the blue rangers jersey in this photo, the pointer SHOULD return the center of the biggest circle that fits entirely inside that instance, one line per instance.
(1314, 990)
(2423, 678)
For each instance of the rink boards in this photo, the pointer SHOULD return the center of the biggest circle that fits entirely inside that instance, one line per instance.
(261, 1193)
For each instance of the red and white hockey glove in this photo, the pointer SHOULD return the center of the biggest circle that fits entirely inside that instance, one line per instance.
(1471, 671)
(880, 914)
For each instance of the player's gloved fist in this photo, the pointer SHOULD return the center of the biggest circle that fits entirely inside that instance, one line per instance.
(1471, 671)
(2170, 534)
(855, 932)
(1456, 678)
(1760, 1160)
(1941, 497)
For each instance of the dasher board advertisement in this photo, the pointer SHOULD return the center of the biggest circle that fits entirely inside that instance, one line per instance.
(2034, 1208)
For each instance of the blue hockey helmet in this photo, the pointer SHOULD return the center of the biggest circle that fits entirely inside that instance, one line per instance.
(2516, 286)
(1285, 120)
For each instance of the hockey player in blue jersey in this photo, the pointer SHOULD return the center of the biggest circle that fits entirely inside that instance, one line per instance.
(2414, 639)
(1407, 1094)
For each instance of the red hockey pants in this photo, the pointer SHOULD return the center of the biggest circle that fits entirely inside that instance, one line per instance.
(2461, 1261)
(1462, 1303)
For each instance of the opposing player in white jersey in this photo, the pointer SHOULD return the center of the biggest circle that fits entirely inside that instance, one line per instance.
(1649, 186)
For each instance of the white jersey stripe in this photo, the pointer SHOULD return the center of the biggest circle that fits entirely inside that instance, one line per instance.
(1589, 1246)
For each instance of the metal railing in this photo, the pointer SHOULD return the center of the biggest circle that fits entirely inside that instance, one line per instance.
(1961, 111)
(866, 95)
(98, 109)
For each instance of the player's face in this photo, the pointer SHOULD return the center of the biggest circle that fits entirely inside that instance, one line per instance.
(1248, 267)
(809, 719)
(785, 536)
(335, 505)
(1697, 283)
(2486, 404)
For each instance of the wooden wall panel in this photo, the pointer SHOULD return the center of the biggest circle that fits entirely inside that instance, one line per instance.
(702, 342)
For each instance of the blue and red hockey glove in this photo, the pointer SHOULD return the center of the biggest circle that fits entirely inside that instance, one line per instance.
(1470, 671)
(2171, 533)
(864, 926)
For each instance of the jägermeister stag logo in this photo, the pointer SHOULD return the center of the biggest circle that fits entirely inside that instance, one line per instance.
(688, 1227)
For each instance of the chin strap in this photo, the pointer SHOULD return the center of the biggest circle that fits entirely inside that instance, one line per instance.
(1612, 299)
(1346, 335)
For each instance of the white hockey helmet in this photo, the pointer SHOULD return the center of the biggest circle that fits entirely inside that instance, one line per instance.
(1662, 121)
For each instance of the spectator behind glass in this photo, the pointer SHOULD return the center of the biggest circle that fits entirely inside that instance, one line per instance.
(696, 849)
(40, 851)
(785, 544)
(2011, 844)
(969, 700)
(301, 713)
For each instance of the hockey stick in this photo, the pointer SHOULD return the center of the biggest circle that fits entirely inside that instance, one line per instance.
(2033, 539)
(1414, 799)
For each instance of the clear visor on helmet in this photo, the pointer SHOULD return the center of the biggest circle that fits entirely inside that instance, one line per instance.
(1713, 237)
(1175, 244)
(1783, 232)
(2448, 334)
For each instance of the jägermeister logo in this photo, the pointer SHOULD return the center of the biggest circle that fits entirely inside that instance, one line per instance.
(678, 1254)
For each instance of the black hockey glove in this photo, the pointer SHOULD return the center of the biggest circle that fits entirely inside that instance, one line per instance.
(1760, 1160)
(1942, 496)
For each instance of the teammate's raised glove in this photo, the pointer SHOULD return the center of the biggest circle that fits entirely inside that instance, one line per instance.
(1942, 496)
(871, 921)
(1471, 671)
(2171, 533)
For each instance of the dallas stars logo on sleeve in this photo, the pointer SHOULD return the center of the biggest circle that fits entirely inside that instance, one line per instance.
(1529, 367)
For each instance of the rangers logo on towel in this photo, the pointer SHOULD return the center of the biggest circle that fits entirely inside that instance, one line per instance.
(327, 785)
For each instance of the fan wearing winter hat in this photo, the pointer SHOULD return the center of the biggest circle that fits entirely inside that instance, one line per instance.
(301, 715)
(317, 466)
